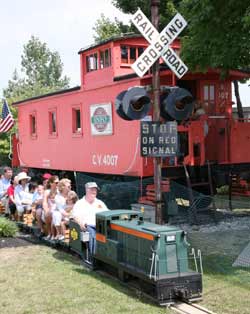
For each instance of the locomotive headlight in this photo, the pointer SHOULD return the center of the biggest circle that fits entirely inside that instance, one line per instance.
(170, 238)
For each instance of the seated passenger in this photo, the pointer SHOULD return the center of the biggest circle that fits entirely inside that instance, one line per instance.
(46, 213)
(10, 192)
(85, 210)
(72, 198)
(20, 193)
(28, 201)
(64, 187)
(38, 204)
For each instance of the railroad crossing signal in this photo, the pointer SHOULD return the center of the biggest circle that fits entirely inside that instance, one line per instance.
(159, 44)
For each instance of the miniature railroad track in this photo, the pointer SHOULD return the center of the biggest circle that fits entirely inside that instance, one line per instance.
(190, 308)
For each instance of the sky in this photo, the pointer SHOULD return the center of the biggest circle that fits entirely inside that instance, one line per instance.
(65, 25)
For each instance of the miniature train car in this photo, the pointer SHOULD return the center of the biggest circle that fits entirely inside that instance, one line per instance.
(156, 256)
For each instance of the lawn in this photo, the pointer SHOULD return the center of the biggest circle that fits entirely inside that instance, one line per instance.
(226, 288)
(36, 279)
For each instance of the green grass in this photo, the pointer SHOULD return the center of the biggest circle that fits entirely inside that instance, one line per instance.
(40, 280)
(226, 288)
(36, 279)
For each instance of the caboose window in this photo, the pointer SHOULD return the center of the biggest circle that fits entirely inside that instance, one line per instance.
(92, 62)
(76, 120)
(140, 51)
(52, 123)
(124, 54)
(105, 58)
(130, 53)
(209, 97)
(33, 124)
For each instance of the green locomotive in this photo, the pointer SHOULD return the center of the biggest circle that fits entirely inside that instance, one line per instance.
(157, 256)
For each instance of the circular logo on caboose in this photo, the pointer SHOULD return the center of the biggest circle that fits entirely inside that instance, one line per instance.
(100, 119)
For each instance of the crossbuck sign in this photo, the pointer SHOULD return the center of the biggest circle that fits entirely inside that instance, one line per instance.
(159, 44)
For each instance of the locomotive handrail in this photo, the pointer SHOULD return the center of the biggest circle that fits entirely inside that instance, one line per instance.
(195, 262)
(201, 266)
(153, 267)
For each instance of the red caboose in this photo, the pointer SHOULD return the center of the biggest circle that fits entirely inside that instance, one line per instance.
(79, 130)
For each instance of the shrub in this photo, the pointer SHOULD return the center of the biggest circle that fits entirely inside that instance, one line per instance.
(7, 228)
(223, 190)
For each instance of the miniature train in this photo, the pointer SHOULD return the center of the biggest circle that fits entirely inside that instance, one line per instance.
(157, 258)
(89, 130)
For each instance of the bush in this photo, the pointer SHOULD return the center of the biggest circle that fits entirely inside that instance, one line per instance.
(223, 190)
(7, 228)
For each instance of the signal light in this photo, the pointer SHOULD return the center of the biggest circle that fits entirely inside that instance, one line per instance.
(133, 104)
(176, 104)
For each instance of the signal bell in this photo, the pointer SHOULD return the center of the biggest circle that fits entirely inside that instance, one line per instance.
(133, 104)
(177, 104)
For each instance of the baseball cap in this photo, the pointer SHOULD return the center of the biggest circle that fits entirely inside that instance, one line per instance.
(46, 176)
(90, 185)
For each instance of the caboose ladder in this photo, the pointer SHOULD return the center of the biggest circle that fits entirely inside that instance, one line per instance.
(202, 202)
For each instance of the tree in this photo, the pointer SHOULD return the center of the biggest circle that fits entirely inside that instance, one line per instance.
(167, 8)
(105, 28)
(43, 72)
(218, 36)
(218, 33)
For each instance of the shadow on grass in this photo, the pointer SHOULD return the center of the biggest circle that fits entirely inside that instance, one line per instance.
(106, 278)
(13, 242)
(66, 255)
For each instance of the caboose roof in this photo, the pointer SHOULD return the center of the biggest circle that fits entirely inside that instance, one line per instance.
(62, 91)
(113, 38)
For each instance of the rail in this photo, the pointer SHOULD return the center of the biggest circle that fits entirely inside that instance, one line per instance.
(189, 308)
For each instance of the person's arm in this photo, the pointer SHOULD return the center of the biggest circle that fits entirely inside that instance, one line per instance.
(75, 217)
(2, 190)
(104, 207)
(45, 202)
(17, 198)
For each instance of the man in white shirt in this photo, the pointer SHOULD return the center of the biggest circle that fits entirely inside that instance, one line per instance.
(85, 210)
(5, 182)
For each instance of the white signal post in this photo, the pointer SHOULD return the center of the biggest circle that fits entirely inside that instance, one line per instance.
(159, 44)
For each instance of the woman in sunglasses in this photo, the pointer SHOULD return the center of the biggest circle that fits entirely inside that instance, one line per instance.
(47, 212)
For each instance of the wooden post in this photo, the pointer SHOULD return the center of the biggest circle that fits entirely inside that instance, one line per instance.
(156, 116)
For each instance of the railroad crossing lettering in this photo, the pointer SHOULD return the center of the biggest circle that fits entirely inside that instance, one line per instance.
(159, 44)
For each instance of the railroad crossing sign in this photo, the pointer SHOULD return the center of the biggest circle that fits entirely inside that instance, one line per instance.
(159, 44)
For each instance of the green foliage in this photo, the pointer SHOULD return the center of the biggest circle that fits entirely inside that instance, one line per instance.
(42, 67)
(167, 8)
(218, 34)
(43, 73)
(5, 149)
(7, 228)
(105, 28)
(223, 190)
